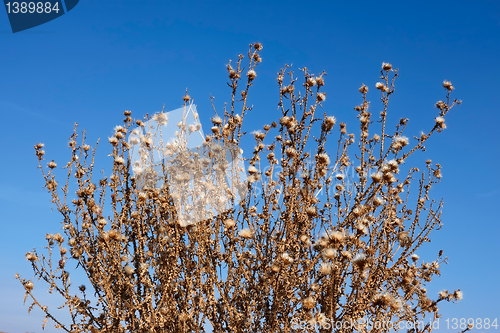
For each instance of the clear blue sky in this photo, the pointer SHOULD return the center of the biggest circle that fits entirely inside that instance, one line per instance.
(104, 57)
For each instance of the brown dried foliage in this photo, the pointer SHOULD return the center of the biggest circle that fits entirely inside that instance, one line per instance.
(347, 255)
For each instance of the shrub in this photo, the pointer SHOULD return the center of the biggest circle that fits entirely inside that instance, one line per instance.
(317, 236)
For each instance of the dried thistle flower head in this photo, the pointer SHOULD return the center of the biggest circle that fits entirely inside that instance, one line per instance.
(229, 223)
(363, 89)
(128, 270)
(251, 74)
(246, 233)
(309, 302)
(440, 105)
(328, 123)
(113, 140)
(310, 82)
(382, 299)
(286, 258)
(400, 141)
(329, 253)
(325, 268)
(321, 97)
(386, 66)
(119, 160)
(58, 237)
(447, 85)
(30, 256)
(376, 177)
(360, 260)
(29, 285)
(216, 120)
(291, 152)
(320, 81)
(323, 159)
(311, 211)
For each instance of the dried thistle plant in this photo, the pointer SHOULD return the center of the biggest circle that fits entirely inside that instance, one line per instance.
(303, 241)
